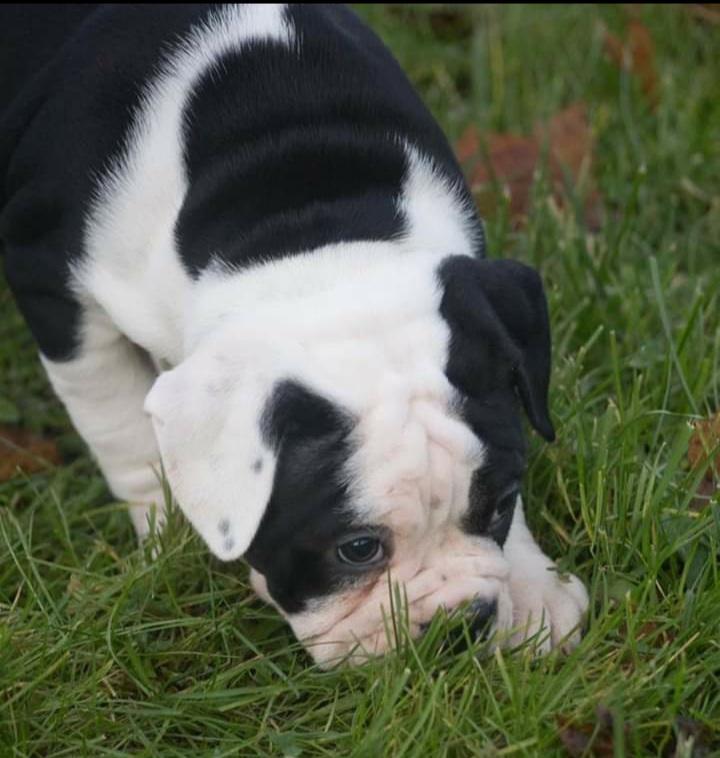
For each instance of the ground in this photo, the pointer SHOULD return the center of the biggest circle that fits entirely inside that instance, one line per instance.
(104, 652)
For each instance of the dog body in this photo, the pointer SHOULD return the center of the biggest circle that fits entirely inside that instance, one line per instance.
(252, 202)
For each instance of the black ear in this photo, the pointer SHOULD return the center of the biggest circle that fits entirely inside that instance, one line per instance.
(499, 320)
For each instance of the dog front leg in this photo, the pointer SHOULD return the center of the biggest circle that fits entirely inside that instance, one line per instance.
(547, 606)
(103, 389)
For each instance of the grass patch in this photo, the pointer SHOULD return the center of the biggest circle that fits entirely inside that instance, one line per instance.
(103, 652)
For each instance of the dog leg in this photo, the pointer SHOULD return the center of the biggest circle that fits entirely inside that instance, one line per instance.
(547, 606)
(103, 389)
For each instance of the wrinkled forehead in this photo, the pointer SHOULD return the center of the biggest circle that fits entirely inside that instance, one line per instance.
(440, 461)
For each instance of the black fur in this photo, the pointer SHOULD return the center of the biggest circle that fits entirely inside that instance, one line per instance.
(292, 149)
(309, 510)
(499, 361)
(67, 121)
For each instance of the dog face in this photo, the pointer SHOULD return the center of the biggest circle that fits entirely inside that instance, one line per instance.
(342, 461)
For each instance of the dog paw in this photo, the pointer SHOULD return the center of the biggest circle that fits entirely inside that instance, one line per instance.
(548, 608)
(145, 516)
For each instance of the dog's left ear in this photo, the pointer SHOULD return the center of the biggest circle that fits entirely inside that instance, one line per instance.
(498, 316)
(207, 416)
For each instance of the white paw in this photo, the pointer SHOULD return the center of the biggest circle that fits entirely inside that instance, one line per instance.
(145, 515)
(548, 608)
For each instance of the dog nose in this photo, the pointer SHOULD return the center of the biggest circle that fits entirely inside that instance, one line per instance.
(480, 615)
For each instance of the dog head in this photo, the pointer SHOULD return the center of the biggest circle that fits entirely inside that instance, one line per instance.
(381, 446)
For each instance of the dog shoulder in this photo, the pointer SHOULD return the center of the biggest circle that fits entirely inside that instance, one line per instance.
(67, 121)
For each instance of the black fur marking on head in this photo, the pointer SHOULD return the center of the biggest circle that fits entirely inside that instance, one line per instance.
(494, 486)
(499, 361)
(294, 547)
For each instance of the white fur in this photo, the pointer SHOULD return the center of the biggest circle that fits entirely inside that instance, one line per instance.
(436, 218)
(104, 390)
(547, 607)
(206, 416)
(357, 322)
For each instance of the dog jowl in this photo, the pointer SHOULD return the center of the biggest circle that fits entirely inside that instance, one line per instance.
(254, 198)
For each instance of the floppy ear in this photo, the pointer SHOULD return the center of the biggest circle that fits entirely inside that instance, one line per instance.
(497, 311)
(207, 419)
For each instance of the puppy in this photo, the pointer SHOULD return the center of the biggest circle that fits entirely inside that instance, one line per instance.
(247, 253)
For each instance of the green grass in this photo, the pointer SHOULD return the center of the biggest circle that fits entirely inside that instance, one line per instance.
(103, 652)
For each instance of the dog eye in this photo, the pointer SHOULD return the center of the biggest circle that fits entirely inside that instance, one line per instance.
(361, 550)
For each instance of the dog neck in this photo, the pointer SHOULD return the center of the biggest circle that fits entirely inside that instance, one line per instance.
(349, 291)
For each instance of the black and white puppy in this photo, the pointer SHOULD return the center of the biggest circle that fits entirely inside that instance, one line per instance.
(252, 202)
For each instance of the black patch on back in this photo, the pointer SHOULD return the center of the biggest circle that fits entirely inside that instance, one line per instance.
(294, 547)
(499, 362)
(291, 149)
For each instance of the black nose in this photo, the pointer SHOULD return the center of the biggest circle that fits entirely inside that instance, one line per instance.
(480, 615)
